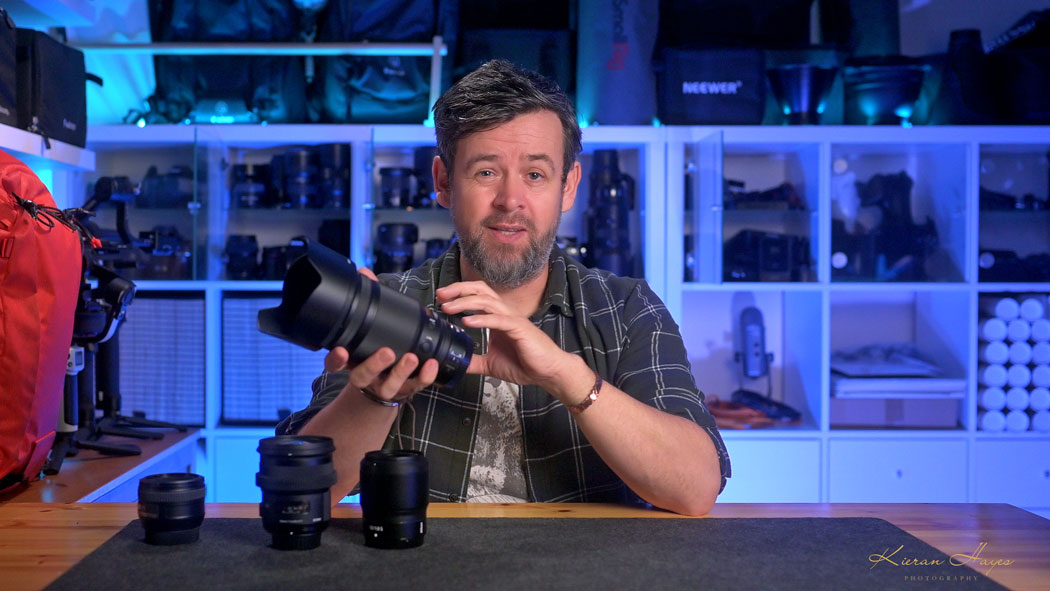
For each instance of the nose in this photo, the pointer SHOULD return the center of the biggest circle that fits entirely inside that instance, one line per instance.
(511, 194)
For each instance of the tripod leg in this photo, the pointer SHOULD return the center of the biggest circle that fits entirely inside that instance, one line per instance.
(111, 449)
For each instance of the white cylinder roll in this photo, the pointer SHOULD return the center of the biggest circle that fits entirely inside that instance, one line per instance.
(1041, 421)
(1041, 353)
(1017, 421)
(1040, 330)
(1019, 376)
(993, 329)
(993, 375)
(1017, 399)
(1039, 399)
(1018, 330)
(1031, 308)
(991, 420)
(1040, 376)
(992, 399)
(995, 352)
(1006, 308)
(1020, 353)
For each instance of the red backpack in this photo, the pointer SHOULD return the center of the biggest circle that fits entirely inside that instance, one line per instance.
(40, 277)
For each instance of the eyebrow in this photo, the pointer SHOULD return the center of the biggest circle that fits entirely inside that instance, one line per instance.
(495, 158)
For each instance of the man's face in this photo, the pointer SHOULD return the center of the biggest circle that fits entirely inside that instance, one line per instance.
(506, 196)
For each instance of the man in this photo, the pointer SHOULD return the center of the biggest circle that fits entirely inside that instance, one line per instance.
(581, 389)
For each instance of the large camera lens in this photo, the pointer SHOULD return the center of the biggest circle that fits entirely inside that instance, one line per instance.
(327, 303)
(295, 473)
(171, 508)
(394, 493)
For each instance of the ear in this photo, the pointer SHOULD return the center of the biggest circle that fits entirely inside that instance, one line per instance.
(568, 191)
(441, 184)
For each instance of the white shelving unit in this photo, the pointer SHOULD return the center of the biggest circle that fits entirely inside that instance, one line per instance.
(805, 320)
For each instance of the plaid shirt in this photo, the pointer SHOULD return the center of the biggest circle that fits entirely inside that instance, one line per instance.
(620, 328)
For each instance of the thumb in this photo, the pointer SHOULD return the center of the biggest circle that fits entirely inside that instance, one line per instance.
(367, 273)
(478, 364)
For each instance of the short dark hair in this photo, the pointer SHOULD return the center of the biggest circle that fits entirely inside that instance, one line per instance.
(494, 94)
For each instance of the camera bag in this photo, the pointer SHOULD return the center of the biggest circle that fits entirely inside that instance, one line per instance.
(40, 265)
(52, 98)
(380, 89)
(8, 69)
(613, 52)
(227, 88)
(710, 86)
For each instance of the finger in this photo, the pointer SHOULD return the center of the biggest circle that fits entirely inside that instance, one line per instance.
(512, 325)
(336, 359)
(475, 303)
(478, 365)
(367, 273)
(391, 384)
(366, 372)
(463, 288)
(426, 376)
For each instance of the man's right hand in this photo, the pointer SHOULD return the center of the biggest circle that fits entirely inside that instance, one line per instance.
(381, 373)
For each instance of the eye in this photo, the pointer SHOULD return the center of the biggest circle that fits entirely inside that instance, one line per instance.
(535, 176)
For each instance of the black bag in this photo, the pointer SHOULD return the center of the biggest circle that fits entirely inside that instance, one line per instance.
(223, 20)
(549, 52)
(52, 98)
(614, 52)
(8, 69)
(366, 89)
(227, 88)
(711, 86)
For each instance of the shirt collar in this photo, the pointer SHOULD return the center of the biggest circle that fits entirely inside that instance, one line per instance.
(557, 291)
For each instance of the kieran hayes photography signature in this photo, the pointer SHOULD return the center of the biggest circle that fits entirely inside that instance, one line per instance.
(976, 560)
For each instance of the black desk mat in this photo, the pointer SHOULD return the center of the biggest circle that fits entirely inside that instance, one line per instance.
(511, 554)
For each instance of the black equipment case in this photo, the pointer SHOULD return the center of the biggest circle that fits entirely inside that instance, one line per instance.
(52, 99)
(8, 96)
(711, 86)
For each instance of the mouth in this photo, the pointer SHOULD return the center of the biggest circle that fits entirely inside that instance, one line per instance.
(507, 229)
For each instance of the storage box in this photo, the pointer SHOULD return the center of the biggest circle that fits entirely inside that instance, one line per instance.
(935, 413)
(711, 86)
(52, 97)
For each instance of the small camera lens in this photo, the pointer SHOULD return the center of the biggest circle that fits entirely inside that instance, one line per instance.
(171, 507)
(394, 495)
(295, 473)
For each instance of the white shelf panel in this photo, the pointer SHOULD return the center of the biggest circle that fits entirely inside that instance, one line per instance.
(30, 148)
(750, 286)
(205, 285)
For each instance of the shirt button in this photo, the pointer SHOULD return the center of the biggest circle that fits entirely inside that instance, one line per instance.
(467, 421)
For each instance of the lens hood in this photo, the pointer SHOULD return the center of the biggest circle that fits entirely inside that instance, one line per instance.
(326, 303)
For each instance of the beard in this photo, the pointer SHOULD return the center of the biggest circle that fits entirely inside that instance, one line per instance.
(500, 265)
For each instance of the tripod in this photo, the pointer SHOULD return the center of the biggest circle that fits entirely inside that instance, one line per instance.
(95, 347)
(108, 400)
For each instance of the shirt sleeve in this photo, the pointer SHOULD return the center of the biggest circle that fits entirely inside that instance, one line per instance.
(325, 388)
(654, 367)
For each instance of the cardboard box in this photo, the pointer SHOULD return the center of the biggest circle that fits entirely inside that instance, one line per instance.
(922, 413)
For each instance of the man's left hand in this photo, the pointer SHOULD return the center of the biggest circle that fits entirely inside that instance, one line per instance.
(518, 351)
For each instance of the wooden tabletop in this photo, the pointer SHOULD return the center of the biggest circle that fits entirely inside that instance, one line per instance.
(39, 541)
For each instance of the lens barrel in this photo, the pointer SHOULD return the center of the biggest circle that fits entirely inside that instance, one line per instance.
(295, 473)
(327, 303)
(171, 507)
(395, 489)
